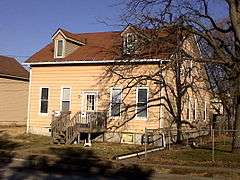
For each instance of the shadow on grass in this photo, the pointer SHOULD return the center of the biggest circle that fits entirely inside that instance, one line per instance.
(6, 152)
(82, 163)
(219, 149)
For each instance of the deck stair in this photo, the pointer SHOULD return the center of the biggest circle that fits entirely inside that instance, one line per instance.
(65, 130)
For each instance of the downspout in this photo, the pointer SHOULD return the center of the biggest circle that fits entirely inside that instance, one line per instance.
(29, 99)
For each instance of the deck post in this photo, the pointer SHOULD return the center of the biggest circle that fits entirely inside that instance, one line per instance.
(79, 138)
(89, 137)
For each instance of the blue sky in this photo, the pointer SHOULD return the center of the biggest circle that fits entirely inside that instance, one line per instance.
(27, 25)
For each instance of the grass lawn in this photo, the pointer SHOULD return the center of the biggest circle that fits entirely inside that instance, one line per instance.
(15, 139)
(74, 159)
(199, 156)
(15, 143)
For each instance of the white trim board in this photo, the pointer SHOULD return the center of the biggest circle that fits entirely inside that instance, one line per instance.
(96, 61)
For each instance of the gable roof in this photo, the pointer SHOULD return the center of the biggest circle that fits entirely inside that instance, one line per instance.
(105, 46)
(12, 68)
(96, 49)
(70, 36)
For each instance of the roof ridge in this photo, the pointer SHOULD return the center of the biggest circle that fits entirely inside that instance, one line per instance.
(98, 32)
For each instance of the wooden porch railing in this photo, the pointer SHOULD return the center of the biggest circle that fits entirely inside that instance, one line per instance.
(66, 129)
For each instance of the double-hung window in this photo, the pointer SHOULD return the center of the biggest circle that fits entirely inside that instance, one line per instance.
(116, 101)
(44, 100)
(142, 102)
(66, 95)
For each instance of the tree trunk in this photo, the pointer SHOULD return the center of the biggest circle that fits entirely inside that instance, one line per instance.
(236, 134)
(179, 133)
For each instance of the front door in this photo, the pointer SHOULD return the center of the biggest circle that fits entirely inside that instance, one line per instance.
(89, 106)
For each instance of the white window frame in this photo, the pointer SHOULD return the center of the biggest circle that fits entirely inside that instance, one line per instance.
(110, 106)
(56, 48)
(141, 87)
(40, 98)
(61, 97)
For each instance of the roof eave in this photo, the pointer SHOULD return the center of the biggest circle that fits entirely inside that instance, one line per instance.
(96, 61)
(11, 76)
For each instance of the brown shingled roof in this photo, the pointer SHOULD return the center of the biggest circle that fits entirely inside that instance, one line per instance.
(11, 67)
(101, 46)
(97, 47)
(72, 36)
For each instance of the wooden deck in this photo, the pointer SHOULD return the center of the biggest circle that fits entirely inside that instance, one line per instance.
(65, 129)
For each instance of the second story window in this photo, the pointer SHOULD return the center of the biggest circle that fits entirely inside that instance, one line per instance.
(59, 48)
(66, 99)
(129, 43)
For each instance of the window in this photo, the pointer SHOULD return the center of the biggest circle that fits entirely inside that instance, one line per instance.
(66, 99)
(142, 98)
(90, 102)
(188, 109)
(205, 111)
(194, 111)
(129, 43)
(60, 48)
(44, 100)
(116, 100)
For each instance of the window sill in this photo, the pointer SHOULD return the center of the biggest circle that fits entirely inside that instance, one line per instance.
(141, 118)
(43, 114)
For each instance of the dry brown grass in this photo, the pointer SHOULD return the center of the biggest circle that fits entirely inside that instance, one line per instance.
(23, 145)
(13, 130)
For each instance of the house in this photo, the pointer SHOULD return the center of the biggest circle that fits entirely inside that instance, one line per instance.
(13, 91)
(71, 74)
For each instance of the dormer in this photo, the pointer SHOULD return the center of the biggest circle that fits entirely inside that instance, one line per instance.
(65, 43)
(129, 39)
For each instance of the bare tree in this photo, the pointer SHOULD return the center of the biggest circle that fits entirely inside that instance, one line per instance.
(173, 79)
(197, 16)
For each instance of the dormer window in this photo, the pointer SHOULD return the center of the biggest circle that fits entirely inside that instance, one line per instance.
(129, 43)
(59, 48)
